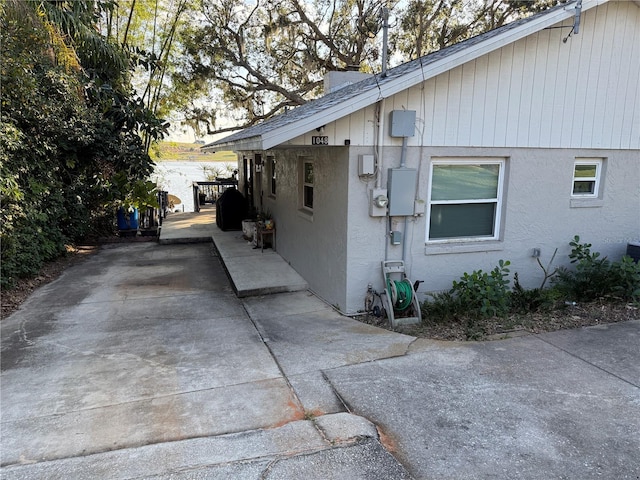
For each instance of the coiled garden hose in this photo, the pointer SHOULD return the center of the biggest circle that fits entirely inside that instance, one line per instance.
(401, 294)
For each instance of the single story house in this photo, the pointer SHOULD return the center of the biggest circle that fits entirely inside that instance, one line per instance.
(503, 146)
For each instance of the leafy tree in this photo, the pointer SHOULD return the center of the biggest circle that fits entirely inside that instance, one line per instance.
(70, 130)
(268, 56)
(425, 26)
(148, 31)
(263, 57)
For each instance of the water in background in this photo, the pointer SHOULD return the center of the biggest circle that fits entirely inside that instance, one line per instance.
(177, 178)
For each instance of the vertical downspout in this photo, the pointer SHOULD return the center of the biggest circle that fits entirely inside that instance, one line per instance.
(378, 184)
(403, 164)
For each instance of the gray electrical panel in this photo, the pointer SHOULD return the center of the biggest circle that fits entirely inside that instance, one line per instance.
(402, 191)
(402, 123)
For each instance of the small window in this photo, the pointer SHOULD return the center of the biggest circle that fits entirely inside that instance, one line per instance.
(307, 185)
(586, 177)
(465, 199)
(271, 163)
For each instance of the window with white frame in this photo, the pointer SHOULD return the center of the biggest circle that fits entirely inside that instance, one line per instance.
(586, 177)
(465, 199)
(306, 184)
(271, 165)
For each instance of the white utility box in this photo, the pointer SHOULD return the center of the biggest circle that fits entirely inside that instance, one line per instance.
(366, 165)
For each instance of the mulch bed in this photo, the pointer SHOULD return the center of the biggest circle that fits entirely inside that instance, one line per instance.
(470, 328)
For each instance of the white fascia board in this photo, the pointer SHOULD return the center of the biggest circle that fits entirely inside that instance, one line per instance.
(251, 143)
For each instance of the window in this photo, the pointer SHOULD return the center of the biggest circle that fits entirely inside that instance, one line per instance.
(307, 184)
(586, 177)
(271, 163)
(465, 199)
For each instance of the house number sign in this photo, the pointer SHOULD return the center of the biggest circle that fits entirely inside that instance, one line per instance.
(319, 140)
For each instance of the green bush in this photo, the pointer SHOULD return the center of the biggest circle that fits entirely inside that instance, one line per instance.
(486, 294)
(596, 277)
(447, 308)
(523, 300)
(480, 295)
(443, 307)
(626, 279)
(68, 131)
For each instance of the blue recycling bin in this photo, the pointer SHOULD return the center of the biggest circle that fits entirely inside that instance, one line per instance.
(128, 220)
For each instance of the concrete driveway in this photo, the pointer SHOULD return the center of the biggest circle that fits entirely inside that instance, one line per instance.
(141, 362)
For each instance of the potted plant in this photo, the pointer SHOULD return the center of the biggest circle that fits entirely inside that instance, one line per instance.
(266, 220)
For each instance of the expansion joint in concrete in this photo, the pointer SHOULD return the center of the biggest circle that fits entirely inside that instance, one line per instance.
(578, 357)
(294, 395)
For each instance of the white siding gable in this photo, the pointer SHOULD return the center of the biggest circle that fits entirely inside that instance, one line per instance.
(540, 91)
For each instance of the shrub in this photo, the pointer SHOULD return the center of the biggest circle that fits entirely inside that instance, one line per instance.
(480, 295)
(595, 277)
(485, 294)
(443, 307)
(626, 279)
(522, 300)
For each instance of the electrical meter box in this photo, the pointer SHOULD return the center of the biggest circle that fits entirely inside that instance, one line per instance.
(402, 191)
(366, 165)
(402, 123)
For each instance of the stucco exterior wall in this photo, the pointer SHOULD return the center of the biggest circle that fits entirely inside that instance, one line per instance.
(339, 249)
(537, 213)
(314, 244)
(538, 104)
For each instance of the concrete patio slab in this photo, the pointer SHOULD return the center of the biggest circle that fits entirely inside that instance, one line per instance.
(308, 337)
(130, 359)
(331, 450)
(323, 339)
(162, 418)
(141, 362)
(612, 347)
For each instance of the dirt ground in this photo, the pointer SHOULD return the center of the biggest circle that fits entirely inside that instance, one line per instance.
(571, 316)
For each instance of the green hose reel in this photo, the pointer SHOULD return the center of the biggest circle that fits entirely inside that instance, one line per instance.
(399, 297)
(401, 293)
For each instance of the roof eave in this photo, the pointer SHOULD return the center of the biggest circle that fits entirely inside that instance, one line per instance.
(283, 134)
(251, 143)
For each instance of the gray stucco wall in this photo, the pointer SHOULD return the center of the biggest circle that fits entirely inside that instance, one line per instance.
(339, 249)
(537, 213)
(314, 244)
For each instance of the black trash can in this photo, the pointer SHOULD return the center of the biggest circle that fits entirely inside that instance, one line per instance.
(231, 209)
